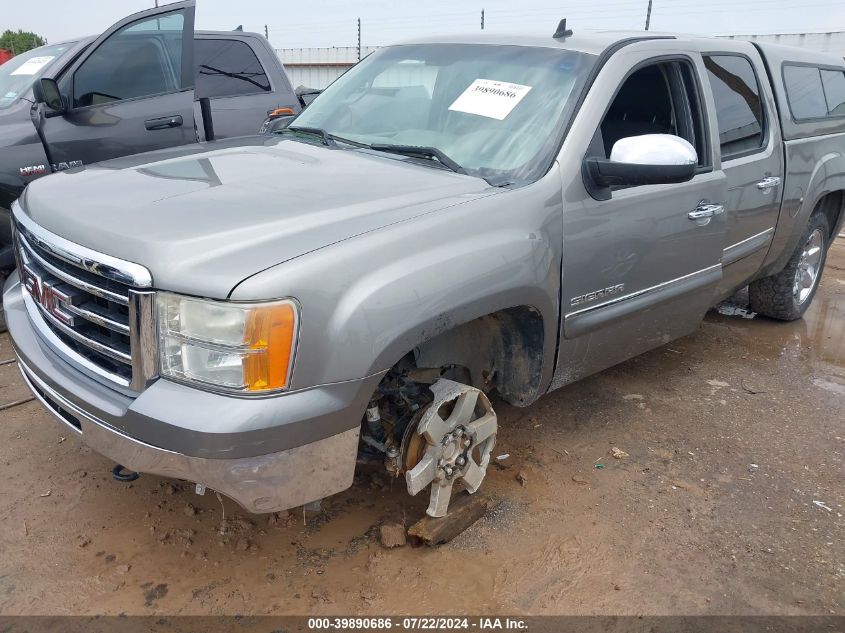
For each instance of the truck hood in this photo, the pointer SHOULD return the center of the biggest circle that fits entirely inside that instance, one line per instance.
(202, 218)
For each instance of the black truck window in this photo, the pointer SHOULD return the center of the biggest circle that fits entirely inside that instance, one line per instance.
(141, 60)
(226, 68)
(739, 109)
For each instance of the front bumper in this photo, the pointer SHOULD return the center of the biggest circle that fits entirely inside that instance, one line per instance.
(268, 454)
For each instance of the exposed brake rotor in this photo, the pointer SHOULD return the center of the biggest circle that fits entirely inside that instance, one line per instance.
(452, 441)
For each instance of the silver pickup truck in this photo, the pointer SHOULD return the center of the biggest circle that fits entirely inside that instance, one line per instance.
(450, 219)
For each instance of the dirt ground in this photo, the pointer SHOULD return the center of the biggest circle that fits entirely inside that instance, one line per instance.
(730, 501)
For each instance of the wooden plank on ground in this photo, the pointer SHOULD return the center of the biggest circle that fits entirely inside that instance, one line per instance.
(464, 510)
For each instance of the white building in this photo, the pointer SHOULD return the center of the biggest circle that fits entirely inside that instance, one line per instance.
(833, 42)
(318, 67)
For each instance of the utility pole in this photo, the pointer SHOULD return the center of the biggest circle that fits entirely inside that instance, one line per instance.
(648, 16)
(482, 19)
(266, 32)
(359, 39)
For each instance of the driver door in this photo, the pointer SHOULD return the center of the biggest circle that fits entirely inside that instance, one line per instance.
(131, 91)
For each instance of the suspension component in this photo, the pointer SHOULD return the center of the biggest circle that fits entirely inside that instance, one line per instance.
(374, 421)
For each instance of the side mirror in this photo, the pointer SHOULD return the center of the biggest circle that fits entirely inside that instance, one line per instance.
(649, 159)
(46, 91)
(277, 119)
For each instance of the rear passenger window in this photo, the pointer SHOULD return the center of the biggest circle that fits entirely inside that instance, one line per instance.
(739, 108)
(834, 90)
(226, 68)
(805, 92)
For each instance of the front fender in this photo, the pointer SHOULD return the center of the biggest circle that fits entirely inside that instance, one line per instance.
(369, 300)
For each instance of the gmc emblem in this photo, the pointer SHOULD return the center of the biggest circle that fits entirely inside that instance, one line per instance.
(47, 295)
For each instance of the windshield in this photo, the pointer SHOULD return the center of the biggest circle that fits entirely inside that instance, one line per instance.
(18, 74)
(496, 111)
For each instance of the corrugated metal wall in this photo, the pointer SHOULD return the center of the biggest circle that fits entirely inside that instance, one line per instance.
(833, 42)
(318, 67)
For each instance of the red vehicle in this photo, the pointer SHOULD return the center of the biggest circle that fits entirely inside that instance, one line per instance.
(5, 55)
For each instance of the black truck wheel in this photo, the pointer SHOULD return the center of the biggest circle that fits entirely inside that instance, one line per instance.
(787, 294)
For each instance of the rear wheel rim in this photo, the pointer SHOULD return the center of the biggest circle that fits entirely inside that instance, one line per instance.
(809, 267)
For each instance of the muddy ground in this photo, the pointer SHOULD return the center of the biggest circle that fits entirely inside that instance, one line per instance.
(731, 500)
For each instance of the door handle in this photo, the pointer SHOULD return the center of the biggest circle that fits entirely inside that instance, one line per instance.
(768, 182)
(705, 210)
(162, 123)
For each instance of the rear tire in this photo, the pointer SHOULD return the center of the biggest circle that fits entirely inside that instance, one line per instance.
(787, 294)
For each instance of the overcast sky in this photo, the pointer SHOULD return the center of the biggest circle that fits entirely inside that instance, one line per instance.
(294, 23)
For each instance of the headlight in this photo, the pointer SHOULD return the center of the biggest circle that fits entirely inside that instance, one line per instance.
(240, 347)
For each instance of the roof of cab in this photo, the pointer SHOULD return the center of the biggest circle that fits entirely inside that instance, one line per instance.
(597, 42)
(591, 42)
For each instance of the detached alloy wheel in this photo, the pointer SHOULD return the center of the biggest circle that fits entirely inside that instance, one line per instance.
(456, 434)
(788, 294)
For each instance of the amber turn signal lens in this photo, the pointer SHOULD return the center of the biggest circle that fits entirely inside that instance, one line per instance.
(270, 335)
(281, 112)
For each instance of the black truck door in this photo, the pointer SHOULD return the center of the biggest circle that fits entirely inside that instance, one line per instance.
(132, 91)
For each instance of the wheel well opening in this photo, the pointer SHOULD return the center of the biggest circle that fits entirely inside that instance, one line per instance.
(831, 205)
(500, 352)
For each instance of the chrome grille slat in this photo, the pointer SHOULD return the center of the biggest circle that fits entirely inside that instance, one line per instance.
(95, 310)
(97, 346)
(95, 315)
(103, 293)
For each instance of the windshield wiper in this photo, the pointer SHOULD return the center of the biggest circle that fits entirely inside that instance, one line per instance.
(414, 151)
(316, 131)
(327, 137)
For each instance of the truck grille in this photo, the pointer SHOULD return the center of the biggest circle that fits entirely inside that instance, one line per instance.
(82, 301)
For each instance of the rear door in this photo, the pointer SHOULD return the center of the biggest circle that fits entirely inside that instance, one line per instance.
(243, 79)
(132, 91)
(749, 146)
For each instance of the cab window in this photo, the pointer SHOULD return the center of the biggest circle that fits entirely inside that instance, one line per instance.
(140, 60)
(226, 68)
(739, 108)
(660, 98)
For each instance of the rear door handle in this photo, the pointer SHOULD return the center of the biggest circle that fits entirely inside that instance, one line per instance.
(768, 182)
(705, 210)
(162, 123)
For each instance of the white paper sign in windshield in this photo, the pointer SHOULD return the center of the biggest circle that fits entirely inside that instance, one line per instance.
(490, 98)
(32, 66)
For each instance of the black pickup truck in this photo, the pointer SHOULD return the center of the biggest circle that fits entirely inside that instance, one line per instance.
(148, 82)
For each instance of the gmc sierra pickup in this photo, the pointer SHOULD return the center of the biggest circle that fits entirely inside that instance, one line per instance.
(451, 218)
(135, 88)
